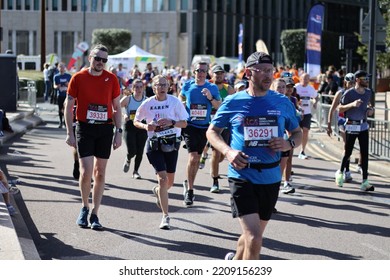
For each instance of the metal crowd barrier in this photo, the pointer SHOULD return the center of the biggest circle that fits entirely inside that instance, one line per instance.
(28, 94)
(379, 133)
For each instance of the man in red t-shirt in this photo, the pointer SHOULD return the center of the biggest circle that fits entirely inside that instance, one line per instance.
(98, 110)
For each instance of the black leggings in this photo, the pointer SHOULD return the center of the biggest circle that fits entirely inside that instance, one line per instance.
(61, 100)
(349, 144)
(135, 141)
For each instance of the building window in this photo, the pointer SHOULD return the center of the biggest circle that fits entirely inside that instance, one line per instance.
(126, 6)
(137, 6)
(94, 6)
(104, 6)
(27, 5)
(172, 5)
(22, 41)
(183, 22)
(36, 5)
(64, 5)
(149, 6)
(115, 6)
(55, 5)
(160, 5)
(184, 5)
(18, 4)
(74, 5)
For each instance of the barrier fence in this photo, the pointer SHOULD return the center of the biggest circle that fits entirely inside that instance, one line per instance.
(379, 132)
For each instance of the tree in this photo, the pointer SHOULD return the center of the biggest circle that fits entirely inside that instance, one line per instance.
(116, 40)
(293, 46)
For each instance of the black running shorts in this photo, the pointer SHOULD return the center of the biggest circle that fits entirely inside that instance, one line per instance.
(247, 198)
(94, 139)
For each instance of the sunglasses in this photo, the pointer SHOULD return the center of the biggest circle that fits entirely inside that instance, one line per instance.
(98, 59)
(200, 70)
(364, 79)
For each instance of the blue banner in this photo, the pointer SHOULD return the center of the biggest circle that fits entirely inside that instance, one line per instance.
(313, 40)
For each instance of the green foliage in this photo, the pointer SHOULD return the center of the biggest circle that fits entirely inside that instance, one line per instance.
(116, 40)
(293, 46)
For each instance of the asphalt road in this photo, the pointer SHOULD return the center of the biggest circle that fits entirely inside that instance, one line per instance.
(318, 222)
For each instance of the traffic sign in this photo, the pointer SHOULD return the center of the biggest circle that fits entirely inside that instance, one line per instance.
(380, 25)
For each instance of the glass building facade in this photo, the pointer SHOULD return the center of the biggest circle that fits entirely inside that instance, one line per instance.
(177, 29)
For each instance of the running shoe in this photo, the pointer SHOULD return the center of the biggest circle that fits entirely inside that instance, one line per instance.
(302, 156)
(347, 176)
(136, 175)
(189, 198)
(339, 178)
(157, 197)
(165, 223)
(126, 166)
(230, 256)
(214, 188)
(359, 169)
(82, 220)
(202, 162)
(94, 220)
(1, 133)
(287, 188)
(366, 186)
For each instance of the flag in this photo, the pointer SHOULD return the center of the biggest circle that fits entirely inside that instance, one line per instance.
(80, 49)
(313, 40)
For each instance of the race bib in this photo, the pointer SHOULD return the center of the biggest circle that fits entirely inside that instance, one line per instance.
(259, 130)
(97, 113)
(305, 101)
(166, 133)
(353, 127)
(198, 111)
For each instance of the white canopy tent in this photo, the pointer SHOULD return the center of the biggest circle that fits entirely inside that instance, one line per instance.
(136, 55)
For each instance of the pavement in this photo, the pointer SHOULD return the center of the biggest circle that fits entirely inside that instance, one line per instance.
(16, 242)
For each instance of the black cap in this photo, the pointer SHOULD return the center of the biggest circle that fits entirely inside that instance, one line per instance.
(217, 68)
(361, 73)
(258, 58)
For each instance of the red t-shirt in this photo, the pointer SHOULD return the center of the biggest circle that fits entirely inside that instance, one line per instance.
(92, 92)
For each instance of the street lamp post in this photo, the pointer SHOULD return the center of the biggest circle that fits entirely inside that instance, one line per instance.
(43, 33)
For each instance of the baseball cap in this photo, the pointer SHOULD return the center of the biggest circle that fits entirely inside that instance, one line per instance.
(240, 84)
(289, 81)
(361, 73)
(349, 77)
(258, 58)
(217, 68)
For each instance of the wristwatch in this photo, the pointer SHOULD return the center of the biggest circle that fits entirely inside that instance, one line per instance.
(119, 130)
(173, 122)
(212, 98)
(292, 142)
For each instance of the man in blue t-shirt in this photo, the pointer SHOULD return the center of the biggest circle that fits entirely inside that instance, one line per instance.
(199, 96)
(257, 118)
(61, 81)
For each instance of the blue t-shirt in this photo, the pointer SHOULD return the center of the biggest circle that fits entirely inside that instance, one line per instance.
(252, 121)
(357, 113)
(61, 80)
(197, 105)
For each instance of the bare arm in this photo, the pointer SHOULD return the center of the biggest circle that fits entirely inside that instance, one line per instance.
(68, 112)
(117, 115)
(236, 158)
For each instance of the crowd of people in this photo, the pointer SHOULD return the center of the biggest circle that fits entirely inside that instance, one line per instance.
(254, 119)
